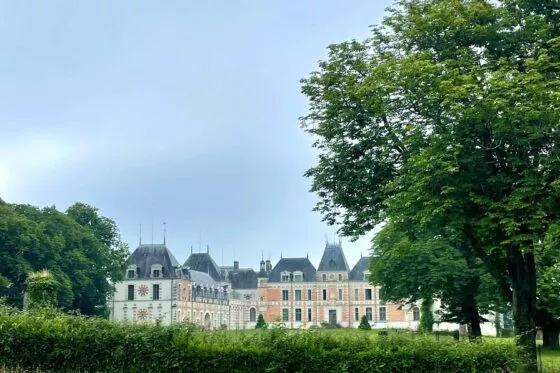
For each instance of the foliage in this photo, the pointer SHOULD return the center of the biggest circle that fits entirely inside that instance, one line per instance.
(78, 252)
(41, 290)
(73, 343)
(364, 324)
(426, 316)
(261, 324)
(446, 120)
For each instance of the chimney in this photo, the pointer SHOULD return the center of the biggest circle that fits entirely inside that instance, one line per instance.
(235, 265)
(268, 267)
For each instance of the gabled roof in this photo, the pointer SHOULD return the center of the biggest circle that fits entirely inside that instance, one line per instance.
(203, 262)
(243, 279)
(333, 259)
(292, 265)
(357, 273)
(147, 255)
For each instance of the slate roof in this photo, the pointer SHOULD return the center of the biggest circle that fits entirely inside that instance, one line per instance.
(243, 279)
(201, 278)
(146, 255)
(357, 273)
(291, 265)
(333, 259)
(203, 262)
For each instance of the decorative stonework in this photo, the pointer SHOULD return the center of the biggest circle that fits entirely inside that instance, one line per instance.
(143, 290)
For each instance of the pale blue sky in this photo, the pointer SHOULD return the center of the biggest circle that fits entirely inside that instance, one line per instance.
(184, 111)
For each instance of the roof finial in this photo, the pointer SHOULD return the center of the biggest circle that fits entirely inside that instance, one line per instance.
(207, 249)
(280, 255)
(191, 249)
(140, 238)
(164, 231)
(262, 254)
(152, 230)
(307, 255)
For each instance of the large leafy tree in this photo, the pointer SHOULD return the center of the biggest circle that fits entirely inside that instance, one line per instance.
(422, 267)
(447, 119)
(83, 261)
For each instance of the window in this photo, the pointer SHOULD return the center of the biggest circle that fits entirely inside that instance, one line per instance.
(382, 314)
(252, 315)
(324, 277)
(298, 294)
(339, 277)
(285, 295)
(130, 292)
(324, 294)
(298, 277)
(415, 314)
(369, 314)
(368, 294)
(366, 277)
(356, 294)
(298, 314)
(339, 294)
(285, 277)
(130, 273)
(309, 314)
(285, 314)
(155, 292)
(308, 294)
(356, 314)
(155, 273)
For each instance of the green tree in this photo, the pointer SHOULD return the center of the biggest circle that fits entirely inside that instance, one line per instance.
(430, 266)
(261, 324)
(364, 324)
(446, 119)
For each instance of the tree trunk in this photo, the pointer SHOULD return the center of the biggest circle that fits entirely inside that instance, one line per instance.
(522, 272)
(551, 338)
(475, 332)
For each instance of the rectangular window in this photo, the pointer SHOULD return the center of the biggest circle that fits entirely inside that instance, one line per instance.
(356, 294)
(382, 314)
(298, 314)
(298, 278)
(285, 278)
(298, 294)
(368, 294)
(285, 314)
(339, 277)
(130, 292)
(309, 318)
(356, 314)
(369, 314)
(324, 294)
(324, 277)
(285, 295)
(130, 273)
(339, 294)
(308, 294)
(155, 292)
(156, 273)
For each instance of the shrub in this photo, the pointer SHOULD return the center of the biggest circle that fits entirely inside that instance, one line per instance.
(261, 324)
(63, 343)
(364, 324)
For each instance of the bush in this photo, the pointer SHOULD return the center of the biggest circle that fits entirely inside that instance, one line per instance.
(63, 343)
(261, 324)
(364, 324)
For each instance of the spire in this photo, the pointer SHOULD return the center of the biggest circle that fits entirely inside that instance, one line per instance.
(164, 231)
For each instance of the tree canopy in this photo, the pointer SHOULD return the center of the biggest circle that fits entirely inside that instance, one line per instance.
(446, 119)
(84, 256)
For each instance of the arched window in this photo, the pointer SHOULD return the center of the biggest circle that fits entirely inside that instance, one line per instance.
(252, 315)
(415, 314)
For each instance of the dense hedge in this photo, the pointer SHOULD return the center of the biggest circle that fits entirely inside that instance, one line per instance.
(54, 342)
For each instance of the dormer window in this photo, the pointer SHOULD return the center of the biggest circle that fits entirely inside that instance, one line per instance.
(298, 276)
(156, 271)
(130, 273)
(324, 277)
(339, 277)
(285, 277)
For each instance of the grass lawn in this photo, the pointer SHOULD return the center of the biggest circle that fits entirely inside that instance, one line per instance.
(550, 361)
